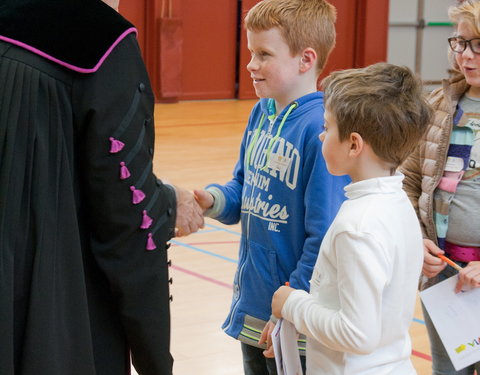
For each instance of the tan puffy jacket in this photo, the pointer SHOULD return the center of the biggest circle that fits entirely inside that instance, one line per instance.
(424, 167)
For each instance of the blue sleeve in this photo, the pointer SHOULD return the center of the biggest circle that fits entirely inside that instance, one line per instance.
(323, 197)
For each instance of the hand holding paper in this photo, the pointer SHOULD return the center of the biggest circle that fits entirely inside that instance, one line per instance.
(468, 277)
(455, 316)
(266, 337)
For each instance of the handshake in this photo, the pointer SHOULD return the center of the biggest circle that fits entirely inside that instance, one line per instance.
(190, 210)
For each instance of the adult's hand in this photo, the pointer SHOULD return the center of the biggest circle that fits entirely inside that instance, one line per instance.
(189, 213)
(432, 265)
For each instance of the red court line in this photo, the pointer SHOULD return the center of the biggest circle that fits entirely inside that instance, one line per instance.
(200, 276)
(229, 286)
(421, 355)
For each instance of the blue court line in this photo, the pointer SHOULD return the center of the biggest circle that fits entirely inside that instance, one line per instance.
(222, 229)
(418, 321)
(207, 231)
(230, 259)
(204, 251)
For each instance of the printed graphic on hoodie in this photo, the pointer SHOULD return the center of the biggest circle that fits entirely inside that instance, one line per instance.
(282, 162)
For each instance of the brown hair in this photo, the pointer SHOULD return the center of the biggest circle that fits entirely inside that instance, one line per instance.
(468, 11)
(302, 23)
(384, 103)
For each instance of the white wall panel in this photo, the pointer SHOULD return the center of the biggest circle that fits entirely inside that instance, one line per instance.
(402, 39)
(403, 10)
(435, 10)
(401, 46)
(434, 53)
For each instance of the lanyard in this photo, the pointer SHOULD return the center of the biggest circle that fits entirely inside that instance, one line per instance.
(272, 141)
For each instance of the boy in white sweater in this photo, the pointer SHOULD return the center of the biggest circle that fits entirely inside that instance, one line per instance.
(363, 288)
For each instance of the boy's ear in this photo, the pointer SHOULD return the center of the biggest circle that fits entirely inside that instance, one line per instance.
(308, 60)
(356, 144)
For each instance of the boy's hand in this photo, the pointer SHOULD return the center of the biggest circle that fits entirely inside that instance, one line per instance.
(267, 338)
(432, 265)
(279, 298)
(469, 277)
(204, 199)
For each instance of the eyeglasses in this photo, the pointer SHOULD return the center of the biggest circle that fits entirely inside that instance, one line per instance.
(459, 45)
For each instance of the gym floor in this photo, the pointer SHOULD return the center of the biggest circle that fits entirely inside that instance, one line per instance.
(197, 143)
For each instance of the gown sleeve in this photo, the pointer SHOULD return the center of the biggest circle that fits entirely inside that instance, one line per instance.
(131, 214)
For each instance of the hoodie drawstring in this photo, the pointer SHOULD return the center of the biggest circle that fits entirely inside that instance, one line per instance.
(272, 141)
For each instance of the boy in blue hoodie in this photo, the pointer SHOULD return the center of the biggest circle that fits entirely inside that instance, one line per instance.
(281, 189)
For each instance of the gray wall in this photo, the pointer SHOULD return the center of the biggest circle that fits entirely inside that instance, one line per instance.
(432, 62)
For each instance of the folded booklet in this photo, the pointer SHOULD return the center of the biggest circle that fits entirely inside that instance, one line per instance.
(284, 341)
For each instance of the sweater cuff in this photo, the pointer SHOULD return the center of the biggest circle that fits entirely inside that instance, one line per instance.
(273, 319)
(218, 202)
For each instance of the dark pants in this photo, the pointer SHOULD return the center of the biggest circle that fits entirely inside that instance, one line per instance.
(255, 363)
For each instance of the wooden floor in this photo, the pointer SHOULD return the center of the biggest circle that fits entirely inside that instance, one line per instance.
(197, 143)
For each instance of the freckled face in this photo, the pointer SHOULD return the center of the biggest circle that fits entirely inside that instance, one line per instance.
(273, 69)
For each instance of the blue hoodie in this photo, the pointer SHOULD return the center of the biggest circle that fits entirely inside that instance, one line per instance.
(285, 198)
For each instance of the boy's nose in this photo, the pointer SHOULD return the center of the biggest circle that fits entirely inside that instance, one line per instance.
(322, 136)
(252, 65)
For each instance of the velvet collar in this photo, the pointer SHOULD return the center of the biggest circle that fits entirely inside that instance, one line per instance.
(78, 34)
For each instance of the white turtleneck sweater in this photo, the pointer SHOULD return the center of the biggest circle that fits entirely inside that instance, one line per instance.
(363, 287)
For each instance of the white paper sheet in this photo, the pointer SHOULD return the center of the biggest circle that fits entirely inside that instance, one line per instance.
(456, 318)
(285, 346)
(277, 347)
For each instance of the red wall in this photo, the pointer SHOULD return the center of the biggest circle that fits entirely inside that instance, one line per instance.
(190, 49)
(372, 32)
(209, 49)
(343, 55)
(245, 86)
(134, 11)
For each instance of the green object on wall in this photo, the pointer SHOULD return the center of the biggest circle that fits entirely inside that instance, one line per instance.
(439, 24)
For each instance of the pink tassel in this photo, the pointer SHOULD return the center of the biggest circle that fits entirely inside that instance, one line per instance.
(137, 195)
(146, 221)
(115, 145)
(124, 172)
(150, 244)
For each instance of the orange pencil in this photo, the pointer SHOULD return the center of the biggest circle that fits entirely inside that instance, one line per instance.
(449, 261)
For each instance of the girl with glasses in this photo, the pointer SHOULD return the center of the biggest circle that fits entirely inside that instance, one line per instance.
(443, 174)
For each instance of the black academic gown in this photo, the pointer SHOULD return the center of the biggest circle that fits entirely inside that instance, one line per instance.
(83, 220)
